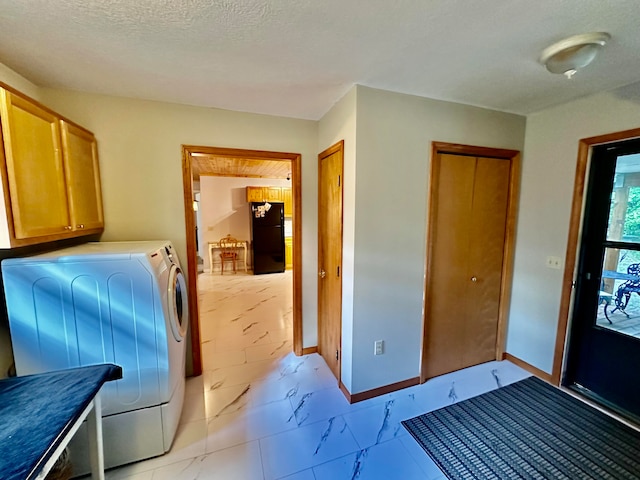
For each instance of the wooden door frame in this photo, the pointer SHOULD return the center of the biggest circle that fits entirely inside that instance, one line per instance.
(192, 264)
(585, 148)
(337, 147)
(513, 156)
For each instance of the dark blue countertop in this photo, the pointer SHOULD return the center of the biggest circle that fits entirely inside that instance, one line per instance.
(38, 411)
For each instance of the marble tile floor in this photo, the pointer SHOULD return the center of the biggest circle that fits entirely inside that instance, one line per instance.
(260, 412)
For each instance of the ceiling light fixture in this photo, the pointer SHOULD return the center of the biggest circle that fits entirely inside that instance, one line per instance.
(571, 54)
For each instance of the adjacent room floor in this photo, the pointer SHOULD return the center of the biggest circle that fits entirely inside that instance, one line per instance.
(260, 412)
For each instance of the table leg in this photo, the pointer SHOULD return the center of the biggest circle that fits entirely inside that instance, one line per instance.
(245, 256)
(94, 426)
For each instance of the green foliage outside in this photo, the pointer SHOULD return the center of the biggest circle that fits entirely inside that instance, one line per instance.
(632, 219)
(631, 230)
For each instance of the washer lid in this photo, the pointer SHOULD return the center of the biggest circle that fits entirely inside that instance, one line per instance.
(178, 303)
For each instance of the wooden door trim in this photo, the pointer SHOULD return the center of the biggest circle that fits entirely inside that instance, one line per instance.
(513, 156)
(585, 146)
(192, 263)
(337, 147)
(192, 266)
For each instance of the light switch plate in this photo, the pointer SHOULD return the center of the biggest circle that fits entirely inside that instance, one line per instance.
(554, 262)
(378, 347)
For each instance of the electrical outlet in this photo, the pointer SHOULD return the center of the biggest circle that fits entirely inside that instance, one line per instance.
(378, 347)
(554, 262)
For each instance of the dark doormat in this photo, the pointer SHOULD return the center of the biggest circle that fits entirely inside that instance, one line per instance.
(528, 430)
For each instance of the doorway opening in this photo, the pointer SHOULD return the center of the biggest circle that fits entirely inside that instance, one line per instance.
(198, 160)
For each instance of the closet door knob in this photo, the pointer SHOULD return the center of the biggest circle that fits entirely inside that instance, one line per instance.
(474, 279)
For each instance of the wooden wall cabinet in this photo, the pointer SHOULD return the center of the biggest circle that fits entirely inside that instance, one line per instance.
(288, 252)
(82, 175)
(288, 202)
(50, 176)
(255, 194)
(272, 194)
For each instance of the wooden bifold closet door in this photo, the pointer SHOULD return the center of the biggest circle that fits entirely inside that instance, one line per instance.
(468, 221)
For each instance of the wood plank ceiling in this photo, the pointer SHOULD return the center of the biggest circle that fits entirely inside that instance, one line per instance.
(214, 165)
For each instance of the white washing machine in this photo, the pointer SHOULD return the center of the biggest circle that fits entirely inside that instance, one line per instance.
(117, 302)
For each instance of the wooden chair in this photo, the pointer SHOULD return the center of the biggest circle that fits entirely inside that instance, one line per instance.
(228, 252)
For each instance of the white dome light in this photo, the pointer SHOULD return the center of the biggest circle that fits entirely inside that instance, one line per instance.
(571, 54)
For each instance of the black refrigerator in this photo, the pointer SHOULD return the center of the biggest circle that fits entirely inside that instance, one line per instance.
(267, 237)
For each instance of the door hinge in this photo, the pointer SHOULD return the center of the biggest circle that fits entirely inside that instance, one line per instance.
(337, 354)
(338, 271)
(339, 179)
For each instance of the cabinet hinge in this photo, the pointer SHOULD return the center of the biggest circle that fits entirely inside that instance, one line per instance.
(338, 271)
(337, 355)
(339, 179)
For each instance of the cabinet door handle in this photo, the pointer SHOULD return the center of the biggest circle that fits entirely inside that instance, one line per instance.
(79, 226)
(68, 227)
(474, 279)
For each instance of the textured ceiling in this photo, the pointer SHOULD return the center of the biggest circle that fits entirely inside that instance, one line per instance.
(298, 57)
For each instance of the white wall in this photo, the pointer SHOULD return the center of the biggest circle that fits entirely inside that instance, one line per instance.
(394, 135)
(139, 144)
(224, 208)
(549, 163)
(339, 123)
(18, 82)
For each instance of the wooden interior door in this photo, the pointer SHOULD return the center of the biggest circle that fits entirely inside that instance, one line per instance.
(330, 170)
(488, 220)
(468, 225)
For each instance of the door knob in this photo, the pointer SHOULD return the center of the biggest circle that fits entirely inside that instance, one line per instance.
(474, 279)
(322, 274)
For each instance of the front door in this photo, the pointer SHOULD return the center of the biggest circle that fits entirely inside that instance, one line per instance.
(604, 347)
(330, 256)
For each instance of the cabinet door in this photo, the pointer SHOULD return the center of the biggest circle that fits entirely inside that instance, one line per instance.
(82, 177)
(273, 194)
(34, 168)
(288, 203)
(288, 252)
(255, 194)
